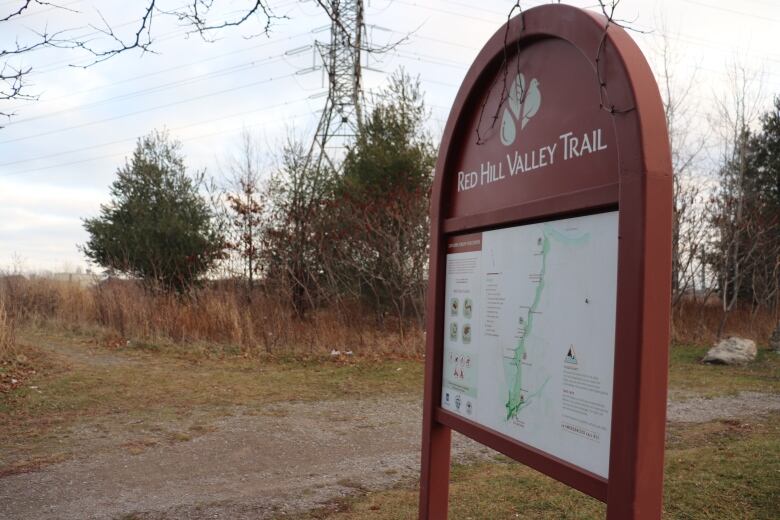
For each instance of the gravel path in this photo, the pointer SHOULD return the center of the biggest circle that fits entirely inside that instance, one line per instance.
(289, 458)
(699, 409)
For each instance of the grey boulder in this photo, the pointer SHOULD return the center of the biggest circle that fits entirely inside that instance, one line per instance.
(732, 351)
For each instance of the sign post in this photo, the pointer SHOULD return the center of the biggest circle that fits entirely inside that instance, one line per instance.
(550, 268)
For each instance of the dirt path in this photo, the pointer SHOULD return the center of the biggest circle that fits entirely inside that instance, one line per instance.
(267, 462)
(287, 459)
(699, 409)
(290, 458)
(83, 354)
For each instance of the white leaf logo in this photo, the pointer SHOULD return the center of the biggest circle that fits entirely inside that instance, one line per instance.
(508, 129)
(522, 105)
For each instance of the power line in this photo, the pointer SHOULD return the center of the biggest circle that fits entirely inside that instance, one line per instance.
(203, 122)
(86, 62)
(683, 39)
(118, 141)
(445, 11)
(61, 64)
(734, 11)
(691, 39)
(479, 8)
(30, 14)
(438, 40)
(151, 90)
(117, 154)
(166, 70)
(430, 59)
(149, 109)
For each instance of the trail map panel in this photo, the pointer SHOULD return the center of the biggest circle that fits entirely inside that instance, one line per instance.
(529, 339)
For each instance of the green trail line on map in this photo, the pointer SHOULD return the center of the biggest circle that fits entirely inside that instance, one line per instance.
(514, 402)
(514, 366)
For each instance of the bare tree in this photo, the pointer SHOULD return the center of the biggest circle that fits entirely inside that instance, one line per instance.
(206, 18)
(687, 143)
(381, 254)
(737, 110)
(245, 209)
(379, 214)
(297, 194)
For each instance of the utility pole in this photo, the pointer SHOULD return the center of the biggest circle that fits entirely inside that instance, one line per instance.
(342, 115)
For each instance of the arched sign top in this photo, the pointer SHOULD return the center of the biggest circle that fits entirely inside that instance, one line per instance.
(550, 264)
(559, 109)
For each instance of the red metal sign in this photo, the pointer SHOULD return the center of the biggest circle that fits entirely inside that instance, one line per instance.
(558, 118)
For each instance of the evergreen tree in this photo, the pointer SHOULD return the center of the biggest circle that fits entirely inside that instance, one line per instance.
(381, 203)
(762, 189)
(746, 252)
(157, 226)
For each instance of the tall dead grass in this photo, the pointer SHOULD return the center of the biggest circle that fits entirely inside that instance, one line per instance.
(224, 315)
(7, 335)
(264, 324)
(697, 323)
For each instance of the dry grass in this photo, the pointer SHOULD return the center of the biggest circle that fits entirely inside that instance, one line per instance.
(7, 335)
(223, 315)
(15, 366)
(696, 323)
(121, 311)
(723, 470)
(83, 398)
(689, 376)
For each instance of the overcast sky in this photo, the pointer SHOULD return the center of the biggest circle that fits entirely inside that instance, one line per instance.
(59, 154)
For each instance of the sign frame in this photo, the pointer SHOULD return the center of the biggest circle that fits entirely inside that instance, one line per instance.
(643, 197)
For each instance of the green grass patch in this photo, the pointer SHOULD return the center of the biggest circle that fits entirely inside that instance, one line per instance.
(85, 384)
(688, 375)
(724, 470)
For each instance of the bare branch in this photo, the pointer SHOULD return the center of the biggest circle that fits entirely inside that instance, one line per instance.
(335, 17)
(26, 5)
(142, 39)
(194, 15)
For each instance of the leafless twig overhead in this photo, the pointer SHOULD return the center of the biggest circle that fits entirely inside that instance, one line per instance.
(202, 17)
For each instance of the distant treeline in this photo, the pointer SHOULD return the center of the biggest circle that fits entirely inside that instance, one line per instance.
(307, 232)
(311, 235)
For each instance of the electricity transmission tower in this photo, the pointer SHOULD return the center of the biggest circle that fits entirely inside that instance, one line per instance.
(342, 115)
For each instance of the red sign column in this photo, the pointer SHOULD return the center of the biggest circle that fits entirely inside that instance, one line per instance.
(555, 155)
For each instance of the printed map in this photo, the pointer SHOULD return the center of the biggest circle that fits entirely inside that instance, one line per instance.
(529, 339)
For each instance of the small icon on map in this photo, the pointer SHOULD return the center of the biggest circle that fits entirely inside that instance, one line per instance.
(467, 305)
(447, 397)
(468, 407)
(457, 402)
(454, 307)
(571, 356)
(539, 241)
(453, 331)
(467, 333)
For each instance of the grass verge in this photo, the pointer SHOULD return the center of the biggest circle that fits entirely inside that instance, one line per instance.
(688, 375)
(723, 470)
(89, 390)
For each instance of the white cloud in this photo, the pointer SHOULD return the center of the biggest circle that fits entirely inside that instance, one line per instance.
(43, 198)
